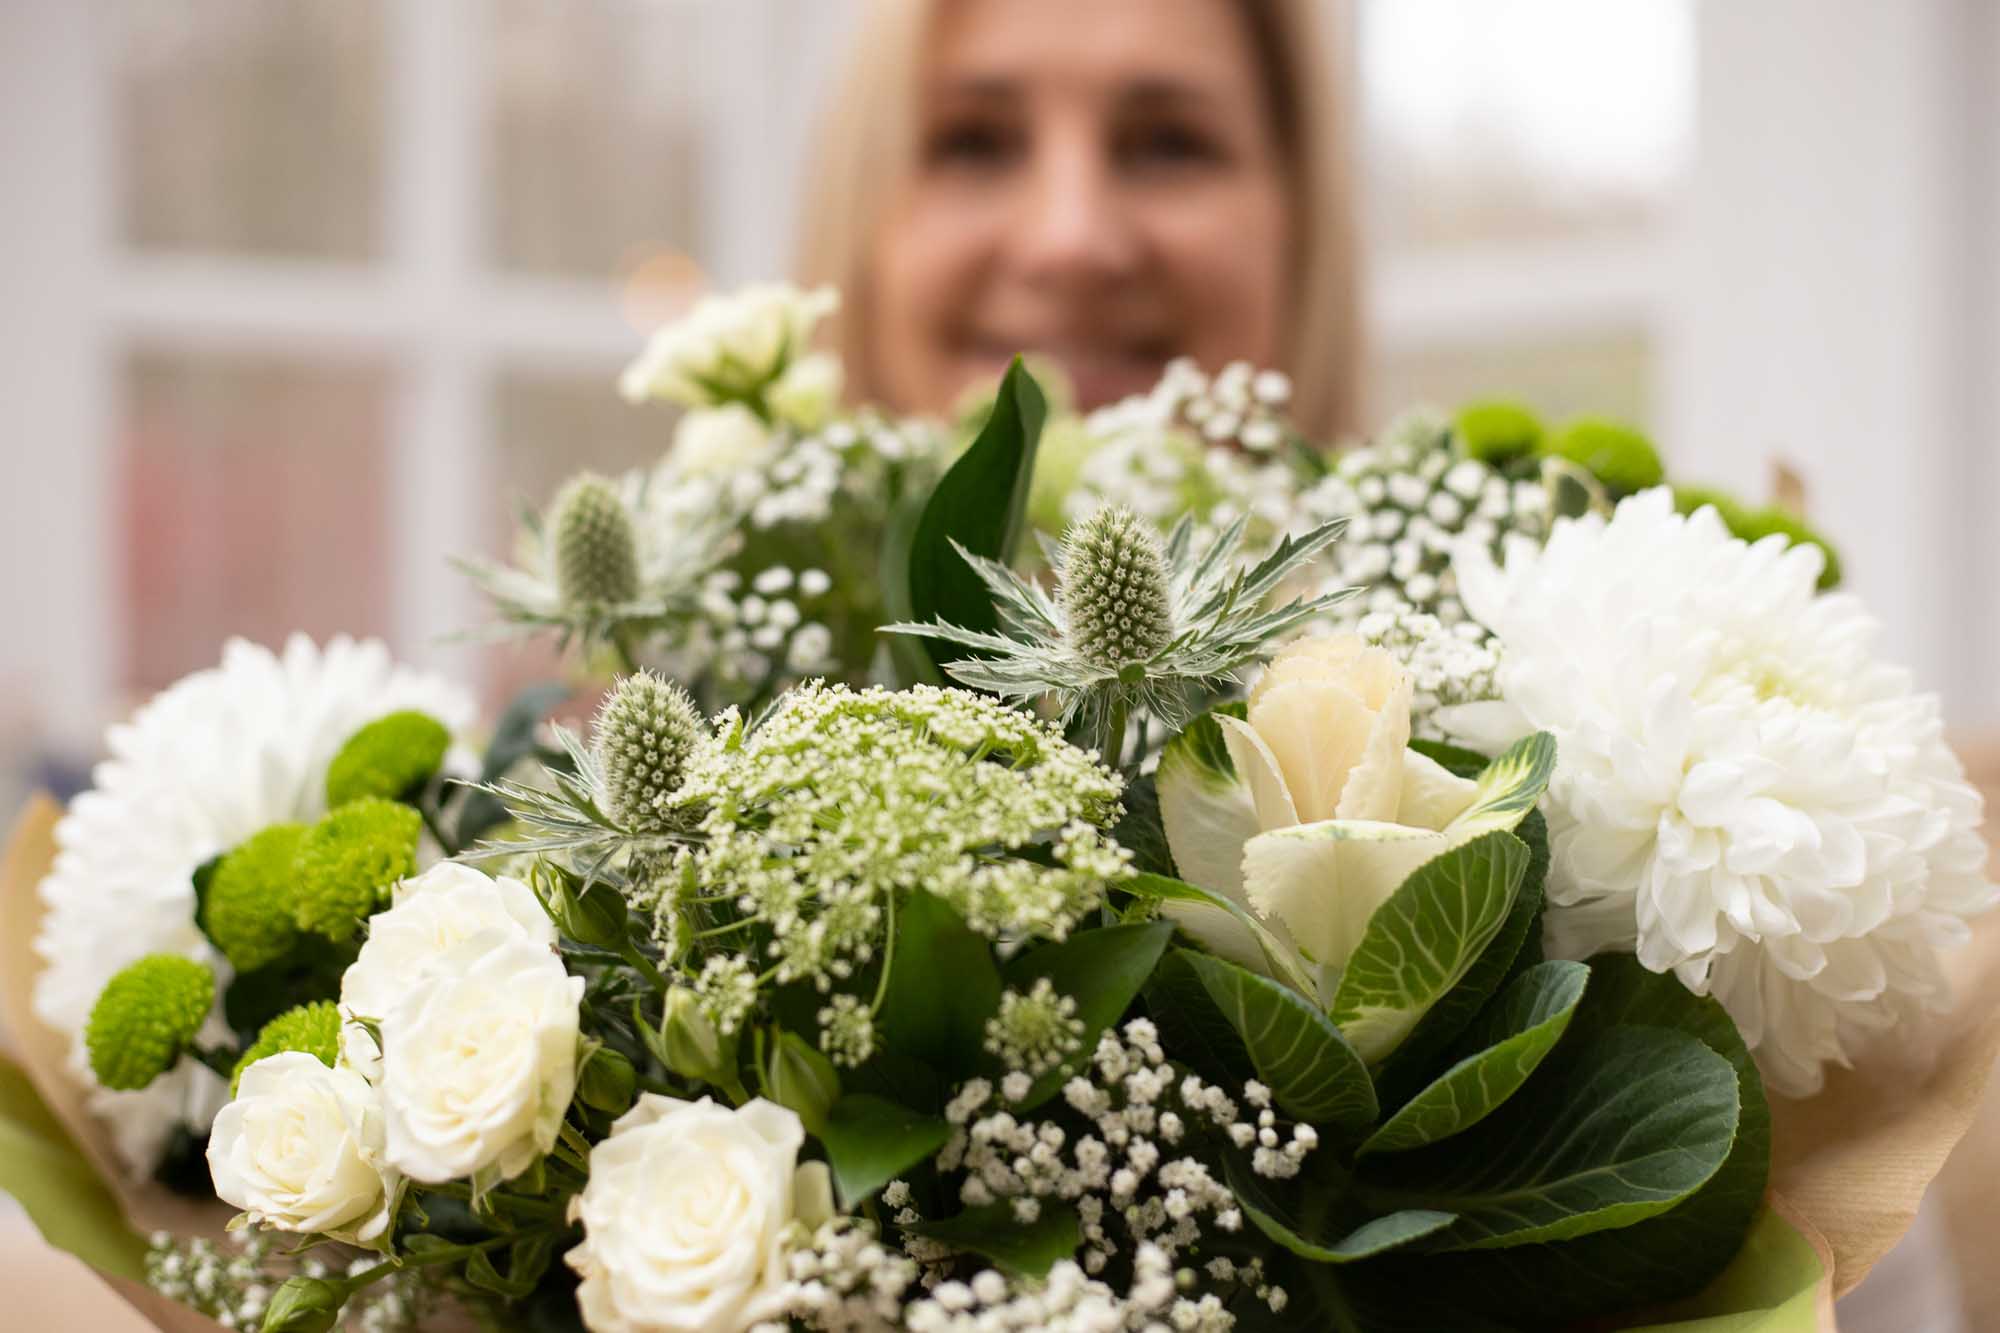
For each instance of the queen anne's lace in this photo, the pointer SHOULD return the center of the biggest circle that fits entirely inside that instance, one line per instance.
(1743, 794)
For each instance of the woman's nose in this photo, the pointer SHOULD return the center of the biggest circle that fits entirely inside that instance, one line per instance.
(1076, 230)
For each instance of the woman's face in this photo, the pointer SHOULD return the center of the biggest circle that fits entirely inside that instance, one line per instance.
(1098, 181)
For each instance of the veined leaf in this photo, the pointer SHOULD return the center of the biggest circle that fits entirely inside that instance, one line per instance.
(1425, 938)
(869, 1141)
(1313, 1073)
(1102, 970)
(1509, 787)
(1311, 1214)
(1510, 1040)
(980, 503)
(1283, 962)
(942, 986)
(1616, 1130)
(1029, 1249)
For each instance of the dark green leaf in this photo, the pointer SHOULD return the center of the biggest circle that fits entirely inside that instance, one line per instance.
(513, 740)
(942, 986)
(1141, 832)
(1615, 1130)
(1027, 1249)
(869, 1142)
(1455, 759)
(1509, 1041)
(1165, 889)
(1312, 1215)
(1102, 970)
(1313, 1073)
(1425, 938)
(62, 1194)
(980, 503)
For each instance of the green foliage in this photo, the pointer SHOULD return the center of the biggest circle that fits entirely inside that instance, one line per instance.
(942, 986)
(798, 1077)
(146, 1016)
(1620, 457)
(870, 1140)
(1496, 431)
(58, 1188)
(607, 1081)
(391, 757)
(348, 862)
(1761, 523)
(247, 909)
(311, 1028)
(1028, 1249)
(514, 739)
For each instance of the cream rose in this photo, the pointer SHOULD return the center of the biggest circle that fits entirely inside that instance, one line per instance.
(686, 1213)
(728, 348)
(806, 394)
(1316, 811)
(479, 1061)
(716, 441)
(300, 1149)
(434, 913)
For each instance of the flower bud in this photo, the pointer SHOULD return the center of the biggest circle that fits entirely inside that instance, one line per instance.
(607, 1081)
(593, 916)
(1114, 589)
(305, 1305)
(798, 1077)
(596, 547)
(690, 1045)
(145, 1017)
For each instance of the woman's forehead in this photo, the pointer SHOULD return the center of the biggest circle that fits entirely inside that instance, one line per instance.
(1158, 49)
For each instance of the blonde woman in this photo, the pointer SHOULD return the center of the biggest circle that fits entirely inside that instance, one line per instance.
(1110, 183)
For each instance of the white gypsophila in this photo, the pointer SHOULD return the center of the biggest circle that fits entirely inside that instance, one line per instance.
(433, 914)
(299, 1148)
(728, 347)
(688, 1215)
(1743, 793)
(479, 1061)
(214, 758)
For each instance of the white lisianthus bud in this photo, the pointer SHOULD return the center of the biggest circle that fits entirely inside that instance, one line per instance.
(300, 1149)
(479, 1061)
(718, 441)
(686, 1216)
(434, 913)
(1114, 589)
(728, 348)
(806, 394)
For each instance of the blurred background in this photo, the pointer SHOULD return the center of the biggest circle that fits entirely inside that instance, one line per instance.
(302, 297)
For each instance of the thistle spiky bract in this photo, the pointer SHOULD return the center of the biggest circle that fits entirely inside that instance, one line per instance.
(1114, 589)
(1214, 604)
(596, 547)
(644, 735)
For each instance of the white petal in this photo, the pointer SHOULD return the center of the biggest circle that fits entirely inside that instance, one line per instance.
(1325, 880)
(1259, 771)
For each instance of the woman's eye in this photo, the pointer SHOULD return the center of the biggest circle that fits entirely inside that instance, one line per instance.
(1169, 144)
(976, 144)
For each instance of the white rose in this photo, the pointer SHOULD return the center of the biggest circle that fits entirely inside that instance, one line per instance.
(479, 1061)
(685, 1216)
(806, 394)
(716, 441)
(728, 347)
(434, 913)
(1323, 811)
(300, 1149)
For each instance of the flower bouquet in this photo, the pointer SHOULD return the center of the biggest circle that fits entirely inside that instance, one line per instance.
(1422, 887)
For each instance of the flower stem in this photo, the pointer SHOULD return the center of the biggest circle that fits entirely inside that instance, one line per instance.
(1113, 744)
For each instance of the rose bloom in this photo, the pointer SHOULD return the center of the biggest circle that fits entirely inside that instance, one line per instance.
(300, 1149)
(479, 1061)
(446, 905)
(686, 1213)
(716, 441)
(728, 347)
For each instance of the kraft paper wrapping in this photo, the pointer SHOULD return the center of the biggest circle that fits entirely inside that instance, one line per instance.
(1849, 1166)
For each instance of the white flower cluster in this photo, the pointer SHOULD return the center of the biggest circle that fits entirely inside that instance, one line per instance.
(739, 636)
(840, 800)
(1122, 1177)
(235, 1289)
(1036, 1032)
(730, 347)
(1447, 665)
(1410, 499)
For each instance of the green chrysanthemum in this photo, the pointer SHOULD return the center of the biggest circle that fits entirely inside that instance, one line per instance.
(389, 757)
(1497, 431)
(596, 549)
(248, 911)
(1617, 455)
(643, 737)
(348, 862)
(145, 1017)
(1114, 589)
(1732, 511)
(313, 1028)
(1761, 523)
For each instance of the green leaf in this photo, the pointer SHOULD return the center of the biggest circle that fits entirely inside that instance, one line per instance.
(1511, 1039)
(1311, 1214)
(942, 986)
(57, 1187)
(870, 1141)
(1283, 962)
(1026, 1249)
(1454, 759)
(1102, 970)
(1613, 1131)
(1422, 942)
(1313, 1073)
(514, 739)
(1773, 1286)
(1140, 831)
(981, 503)
(1509, 787)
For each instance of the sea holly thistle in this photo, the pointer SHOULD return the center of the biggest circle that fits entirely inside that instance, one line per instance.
(1134, 625)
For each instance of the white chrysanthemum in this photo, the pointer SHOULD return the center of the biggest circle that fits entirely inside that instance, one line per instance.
(214, 758)
(1743, 793)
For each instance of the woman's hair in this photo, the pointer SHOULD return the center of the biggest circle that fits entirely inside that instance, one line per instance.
(871, 136)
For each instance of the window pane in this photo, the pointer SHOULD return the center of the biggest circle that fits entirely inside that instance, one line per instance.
(1603, 374)
(593, 125)
(251, 126)
(253, 502)
(1496, 119)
